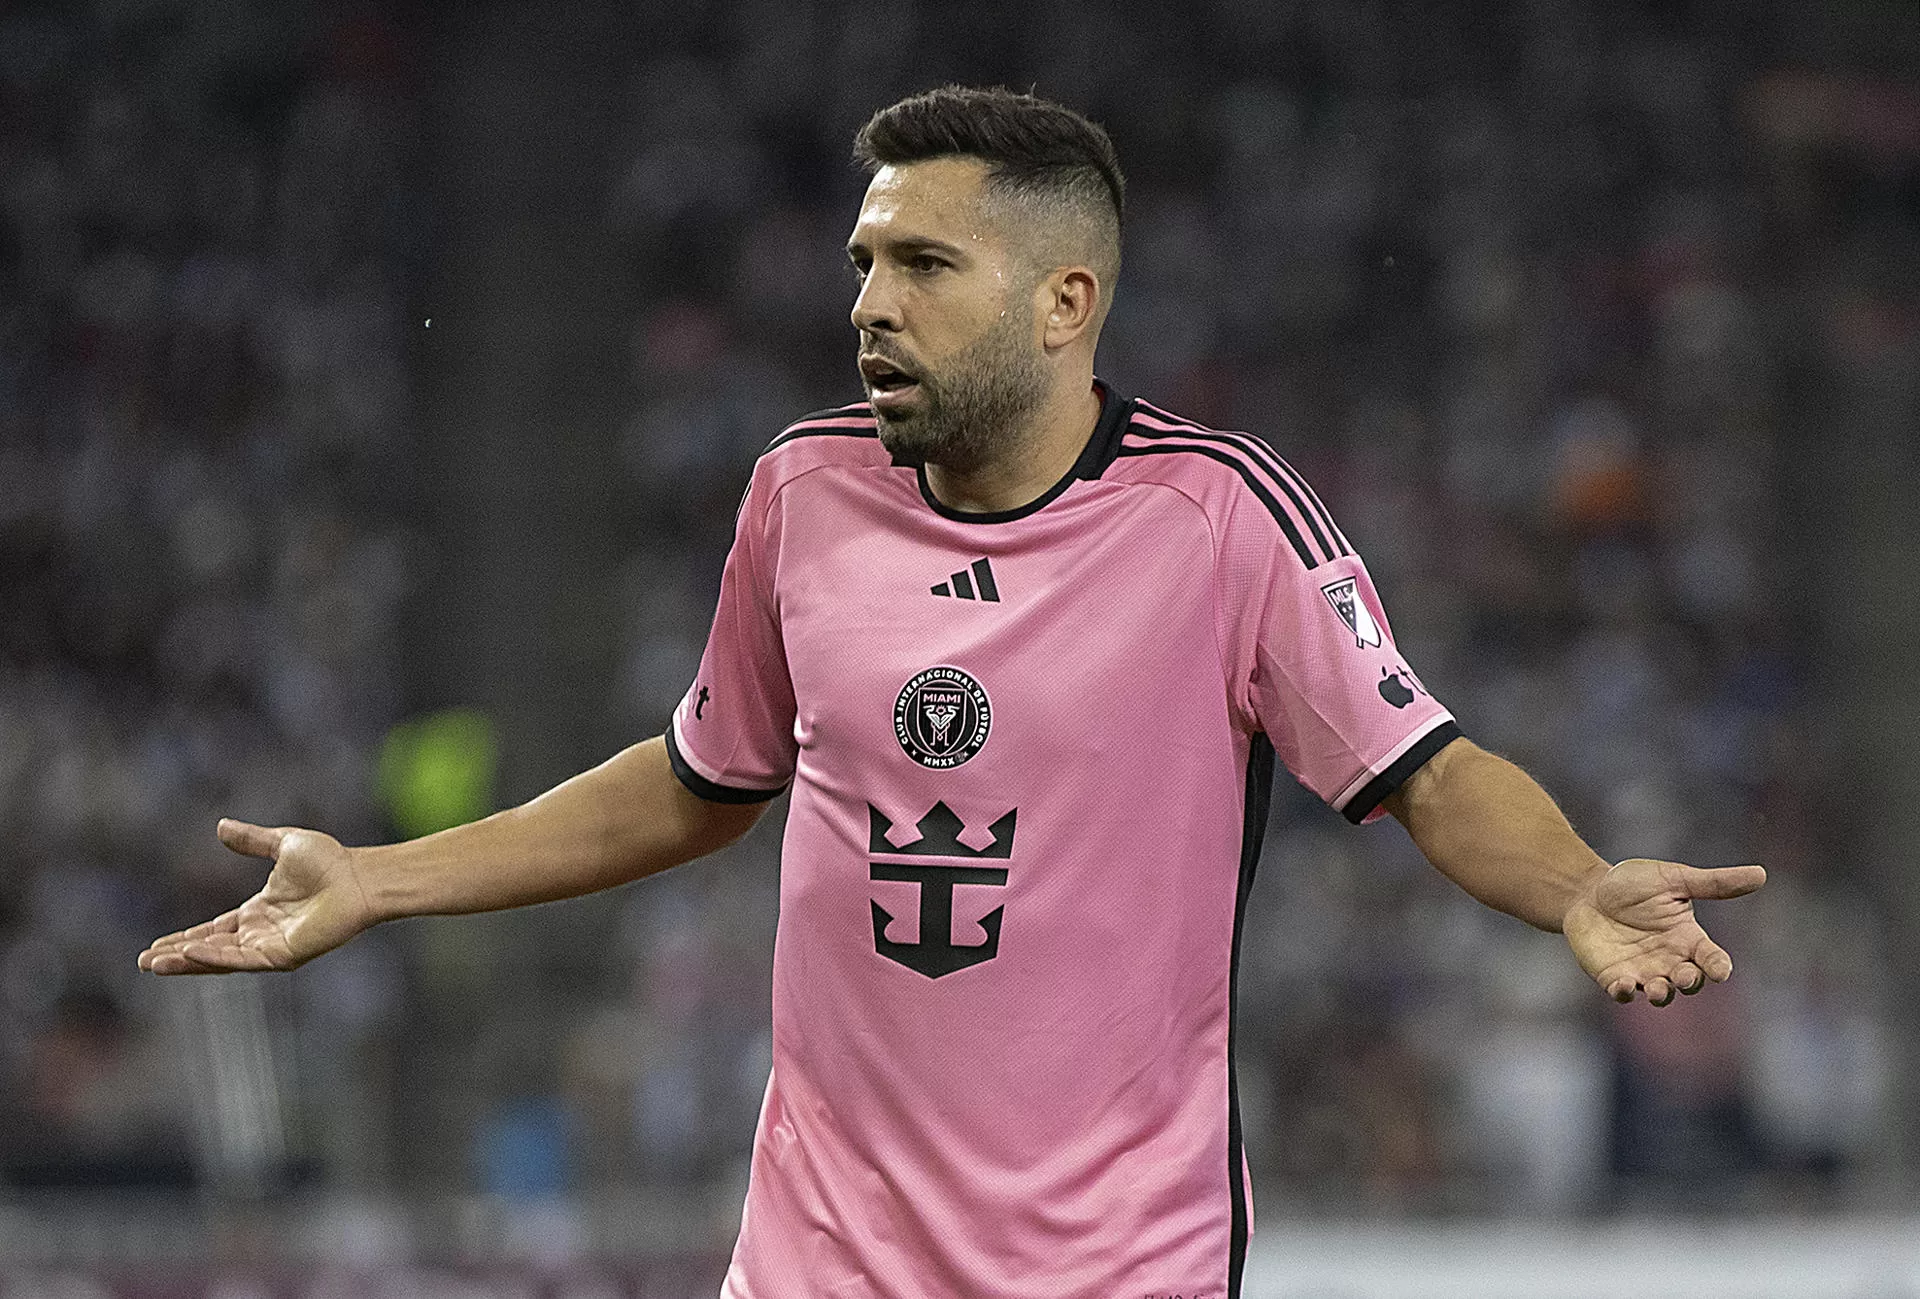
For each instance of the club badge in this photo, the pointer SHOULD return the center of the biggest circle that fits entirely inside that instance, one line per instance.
(942, 717)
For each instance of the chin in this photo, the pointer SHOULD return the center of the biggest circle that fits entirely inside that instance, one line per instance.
(898, 437)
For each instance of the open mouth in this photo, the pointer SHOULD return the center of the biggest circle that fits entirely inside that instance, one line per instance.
(884, 377)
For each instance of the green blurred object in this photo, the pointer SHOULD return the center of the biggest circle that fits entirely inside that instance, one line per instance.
(437, 771)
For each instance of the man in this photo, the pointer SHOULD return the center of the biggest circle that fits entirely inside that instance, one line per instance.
(1026, 650)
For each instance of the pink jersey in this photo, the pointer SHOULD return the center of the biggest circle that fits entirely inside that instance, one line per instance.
(1030, 755)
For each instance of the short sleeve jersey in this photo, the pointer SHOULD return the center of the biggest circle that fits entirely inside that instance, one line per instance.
(1030, 754)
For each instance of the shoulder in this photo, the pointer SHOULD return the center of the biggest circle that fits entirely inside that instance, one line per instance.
(1236, 477)
(845, 435)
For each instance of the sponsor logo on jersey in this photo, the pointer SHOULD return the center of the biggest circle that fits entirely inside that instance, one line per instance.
(942, 717)
(939, 863)
(976, 577)
(1345, 599)
(1399, 688)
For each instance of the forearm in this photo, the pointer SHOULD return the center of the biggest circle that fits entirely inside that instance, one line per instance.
(624, 819)
(1490, 828)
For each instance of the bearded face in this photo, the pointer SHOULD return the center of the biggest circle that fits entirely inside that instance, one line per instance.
(966, 409)
(950, 349)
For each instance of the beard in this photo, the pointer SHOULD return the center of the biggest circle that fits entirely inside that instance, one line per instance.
(975, 409)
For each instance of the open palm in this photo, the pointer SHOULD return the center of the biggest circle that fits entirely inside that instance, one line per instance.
(311, 903)
(1634, 929)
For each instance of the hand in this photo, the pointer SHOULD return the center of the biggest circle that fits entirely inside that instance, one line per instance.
(311, 903)
(1633, 928)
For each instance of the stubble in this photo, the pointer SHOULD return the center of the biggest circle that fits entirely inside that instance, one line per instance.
(977, 409)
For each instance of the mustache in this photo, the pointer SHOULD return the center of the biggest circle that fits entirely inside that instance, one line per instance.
(899, 360)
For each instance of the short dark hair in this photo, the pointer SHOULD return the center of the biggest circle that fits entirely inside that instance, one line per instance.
(1033, 147)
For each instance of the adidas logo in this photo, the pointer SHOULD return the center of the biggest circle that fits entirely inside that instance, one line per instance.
(961, 586)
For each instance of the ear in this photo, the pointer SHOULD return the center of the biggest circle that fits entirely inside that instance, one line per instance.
(1069, 305)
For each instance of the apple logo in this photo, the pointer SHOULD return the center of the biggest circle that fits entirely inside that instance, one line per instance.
(1394, 690)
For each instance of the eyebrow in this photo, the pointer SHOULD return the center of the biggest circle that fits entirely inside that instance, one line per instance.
(910, 245)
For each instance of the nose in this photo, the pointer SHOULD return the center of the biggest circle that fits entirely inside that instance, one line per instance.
(877, 308)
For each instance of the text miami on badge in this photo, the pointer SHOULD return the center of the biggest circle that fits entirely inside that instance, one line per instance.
(942, 717)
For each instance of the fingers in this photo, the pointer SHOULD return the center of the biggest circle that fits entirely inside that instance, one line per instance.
(1659, 989)
(223, 954)
(1721, 881)
(219, 957)
(226, 924)
(213, 946)
(252, 840)
(175, 963)
(222, 924)
(1684, 979)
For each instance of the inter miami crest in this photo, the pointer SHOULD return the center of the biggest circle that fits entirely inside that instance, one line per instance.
(938, 862)
(1345, 599)
(942, 717)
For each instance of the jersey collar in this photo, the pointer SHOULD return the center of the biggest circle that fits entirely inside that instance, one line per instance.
(1103, 445)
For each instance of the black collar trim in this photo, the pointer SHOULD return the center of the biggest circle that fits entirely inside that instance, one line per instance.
(1101, 449)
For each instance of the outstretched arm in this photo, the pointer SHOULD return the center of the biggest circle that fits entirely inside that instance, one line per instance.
(626, 818)
(1493, 831)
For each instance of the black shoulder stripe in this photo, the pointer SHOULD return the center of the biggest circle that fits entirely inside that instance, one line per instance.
(1311, 506)
(1295, 477)
(1253, 483)
(1331, 549)
(1319, 506)
(799, 428)
(1312, 495)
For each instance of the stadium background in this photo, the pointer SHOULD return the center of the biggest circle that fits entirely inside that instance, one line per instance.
(376, 386)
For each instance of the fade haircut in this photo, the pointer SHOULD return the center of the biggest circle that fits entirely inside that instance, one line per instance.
(1043, 156)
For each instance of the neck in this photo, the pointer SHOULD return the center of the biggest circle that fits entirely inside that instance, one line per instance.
(1033, 462)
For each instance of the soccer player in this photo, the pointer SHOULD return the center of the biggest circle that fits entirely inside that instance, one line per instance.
(1026, 650)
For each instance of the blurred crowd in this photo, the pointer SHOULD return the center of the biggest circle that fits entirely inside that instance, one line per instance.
(1515, 286)
(204, 456)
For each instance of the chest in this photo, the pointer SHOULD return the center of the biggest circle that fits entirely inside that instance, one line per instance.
(1091, 624)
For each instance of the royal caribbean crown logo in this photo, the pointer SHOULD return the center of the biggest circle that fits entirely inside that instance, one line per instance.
(942, 717)
(939, 863)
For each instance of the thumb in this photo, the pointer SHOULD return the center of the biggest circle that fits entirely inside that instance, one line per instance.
(252, 840)
(1721, 881)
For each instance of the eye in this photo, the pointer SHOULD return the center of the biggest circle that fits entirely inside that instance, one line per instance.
(926, 263)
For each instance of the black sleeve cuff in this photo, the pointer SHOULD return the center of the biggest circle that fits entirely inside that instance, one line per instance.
(707, 789)
(1370, 795)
